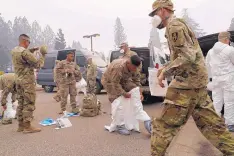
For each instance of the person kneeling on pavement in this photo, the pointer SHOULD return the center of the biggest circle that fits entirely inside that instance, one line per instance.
(7, 85)
(119, 80)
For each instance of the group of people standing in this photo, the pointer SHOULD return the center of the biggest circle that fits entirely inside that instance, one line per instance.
(66, 75)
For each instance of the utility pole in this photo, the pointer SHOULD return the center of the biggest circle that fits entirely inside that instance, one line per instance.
(91, 39)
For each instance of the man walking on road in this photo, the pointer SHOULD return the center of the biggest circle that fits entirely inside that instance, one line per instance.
(220, 61)
(24, 62)
(69, 76)
(187, 94)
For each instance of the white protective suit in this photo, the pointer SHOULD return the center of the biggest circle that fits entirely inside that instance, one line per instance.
(220, 62)
(128, 112)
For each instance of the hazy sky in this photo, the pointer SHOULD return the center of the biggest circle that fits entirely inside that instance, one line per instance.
(82, 17)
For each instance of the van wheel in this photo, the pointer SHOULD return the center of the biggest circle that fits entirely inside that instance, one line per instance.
(98, 87)
(48, 89)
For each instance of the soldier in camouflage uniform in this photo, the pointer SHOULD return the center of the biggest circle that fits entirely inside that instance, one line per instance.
(24, 62)
(70, 74)
(57, 79)
(7, 85)
(187, 94)
(91, 77)
(120, 78)
(127, 53)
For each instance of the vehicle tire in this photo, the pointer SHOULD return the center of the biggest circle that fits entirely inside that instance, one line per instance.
(49, 89)
(98, 87)
(148, 99)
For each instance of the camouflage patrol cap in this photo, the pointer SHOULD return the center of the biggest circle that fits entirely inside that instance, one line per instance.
(161, 4)
(70, 52)
(224, 35)
(123, 44)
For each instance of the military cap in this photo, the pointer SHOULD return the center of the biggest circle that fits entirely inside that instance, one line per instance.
(123, 44)
(161, 4)
(224, 35)
(70, 52)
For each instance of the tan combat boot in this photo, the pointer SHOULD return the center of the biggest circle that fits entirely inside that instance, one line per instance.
(30, 129)
(20, 127)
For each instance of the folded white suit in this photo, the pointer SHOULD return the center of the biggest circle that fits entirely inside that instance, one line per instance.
(128, 112)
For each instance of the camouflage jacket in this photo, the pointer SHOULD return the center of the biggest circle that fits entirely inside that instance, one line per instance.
(24, 63)
(68, 78)
(187, 63)
(91, 71)
(118, 75)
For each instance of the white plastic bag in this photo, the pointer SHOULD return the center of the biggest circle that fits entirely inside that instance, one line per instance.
(155, 89)
(128, 112)
(81, 86)
(9, 113)
(63, 122)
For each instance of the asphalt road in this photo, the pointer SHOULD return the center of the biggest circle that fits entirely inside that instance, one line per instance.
(87, 136)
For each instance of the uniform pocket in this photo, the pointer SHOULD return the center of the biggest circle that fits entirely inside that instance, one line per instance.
(174, 115)
(178, 97)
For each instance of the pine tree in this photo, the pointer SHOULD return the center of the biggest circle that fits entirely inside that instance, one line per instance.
(231, 28)
(48, 36)
(120, 35)
(76, 45)
(193, 24)
(60, 42)
(154, 38)
(36, 34)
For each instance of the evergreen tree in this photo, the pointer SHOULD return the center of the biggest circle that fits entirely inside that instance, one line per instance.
(120, 35)
(231, 28)
(60, 42)
(76, 45)
(193, 24)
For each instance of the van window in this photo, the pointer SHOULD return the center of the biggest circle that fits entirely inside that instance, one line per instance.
(115, 55)
(49, 63)
(81, 61)
(62, 55)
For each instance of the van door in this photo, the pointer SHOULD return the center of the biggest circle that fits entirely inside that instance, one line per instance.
(45, 75)
(81, 61)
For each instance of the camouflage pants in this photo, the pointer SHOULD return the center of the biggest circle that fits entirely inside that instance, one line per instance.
(26, 96)
(91, 86)
(66, 89)
(179, 106)
(57, 95)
